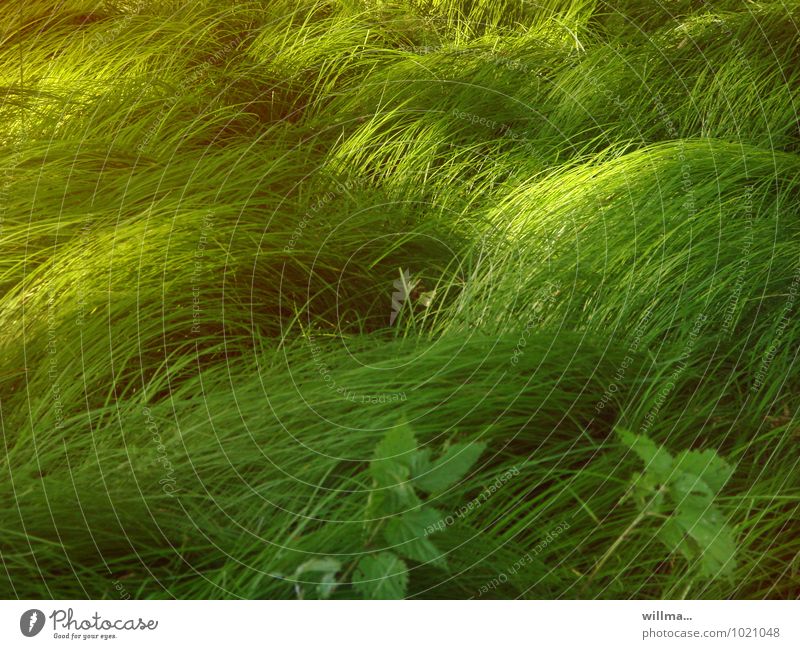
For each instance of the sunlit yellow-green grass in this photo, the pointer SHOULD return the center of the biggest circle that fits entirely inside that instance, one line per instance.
(423, 298)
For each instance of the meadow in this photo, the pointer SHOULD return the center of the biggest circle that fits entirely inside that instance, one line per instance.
(399, 299)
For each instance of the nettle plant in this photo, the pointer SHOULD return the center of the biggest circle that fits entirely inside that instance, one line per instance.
(680, 491)
(398, 516)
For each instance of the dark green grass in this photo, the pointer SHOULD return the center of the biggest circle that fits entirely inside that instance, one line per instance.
(206, 209)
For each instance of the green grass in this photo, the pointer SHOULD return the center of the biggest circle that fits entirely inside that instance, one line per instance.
(207, 211)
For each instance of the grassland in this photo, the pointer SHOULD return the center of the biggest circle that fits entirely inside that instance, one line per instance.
(262, 263)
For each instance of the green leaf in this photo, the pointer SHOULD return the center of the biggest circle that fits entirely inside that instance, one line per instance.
(407, 534)
(707, 466)
(394, 499)
(713, 540)
(686, 485)
(393, 456)
(684, 489)
(673, 536)
(657, 460)
(648, 492)
(398, 444)
(388, 473)
(381, 576)
(450, 468)
(421, 462)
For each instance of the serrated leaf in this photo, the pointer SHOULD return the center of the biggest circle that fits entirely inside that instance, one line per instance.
(393, 499)
(673, 536)
(695, 527)
(398, 444)
(686, 485)
(714, 540)
(706, 465)
(657, 459)
(387, 473)
(695, 536)
(393, 456)
(451, 467)
(381, 576)
(648, 492)
(420, 462)
(407, 535)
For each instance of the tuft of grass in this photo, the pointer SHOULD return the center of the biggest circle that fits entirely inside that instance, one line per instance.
(240, 242)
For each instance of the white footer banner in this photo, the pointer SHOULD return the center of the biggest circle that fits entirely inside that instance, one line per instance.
(404, 624)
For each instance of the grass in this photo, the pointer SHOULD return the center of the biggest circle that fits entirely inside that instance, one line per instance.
(242, 242)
